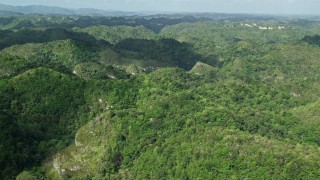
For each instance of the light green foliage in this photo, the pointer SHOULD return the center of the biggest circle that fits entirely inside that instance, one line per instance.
(26, 176)
(209, 38)
(310, 121)
(204, 70)
(201, 152)
(66, 56)
(97, 71)
(11, 65)
(65, 53)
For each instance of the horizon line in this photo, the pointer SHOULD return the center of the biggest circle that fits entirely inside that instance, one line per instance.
(159, 12)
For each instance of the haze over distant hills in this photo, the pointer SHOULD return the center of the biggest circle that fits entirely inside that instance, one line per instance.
(47, 10)
(300, 7)
(9, 10)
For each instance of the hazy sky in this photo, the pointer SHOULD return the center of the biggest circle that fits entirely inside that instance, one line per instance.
(233, 6)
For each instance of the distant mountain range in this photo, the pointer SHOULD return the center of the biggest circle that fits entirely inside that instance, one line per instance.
(9, 10)
(9, 13)
(49, 10)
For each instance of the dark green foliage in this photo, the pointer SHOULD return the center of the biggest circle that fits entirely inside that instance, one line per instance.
(166, 51)
(38, 36)
(58, 92)
(312, 39)
(8, 134)
(39, 116)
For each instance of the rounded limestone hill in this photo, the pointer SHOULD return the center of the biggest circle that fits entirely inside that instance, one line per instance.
(192, 153)
(67, 53)
(49, 107)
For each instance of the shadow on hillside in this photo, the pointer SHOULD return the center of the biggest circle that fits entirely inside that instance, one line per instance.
(312, 39)
(9, 38)
(167, 52)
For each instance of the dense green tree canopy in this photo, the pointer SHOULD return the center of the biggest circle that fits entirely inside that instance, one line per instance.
(159, 97)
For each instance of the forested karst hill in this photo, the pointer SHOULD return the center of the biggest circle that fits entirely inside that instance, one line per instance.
(159, 97)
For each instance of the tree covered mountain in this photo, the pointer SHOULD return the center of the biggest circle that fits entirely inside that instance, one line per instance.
(127, 98)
